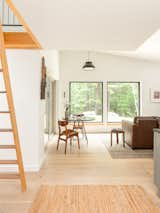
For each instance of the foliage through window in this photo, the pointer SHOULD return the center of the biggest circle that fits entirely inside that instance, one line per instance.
(123, 100)
(87, 98)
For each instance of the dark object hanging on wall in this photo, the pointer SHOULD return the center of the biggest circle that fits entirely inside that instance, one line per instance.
(66, 112)
(43, 79)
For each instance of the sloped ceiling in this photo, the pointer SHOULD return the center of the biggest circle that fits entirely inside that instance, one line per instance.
(100, 25)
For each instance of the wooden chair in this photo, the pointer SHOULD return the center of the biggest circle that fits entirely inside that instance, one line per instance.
(79, 125)
(65, 134)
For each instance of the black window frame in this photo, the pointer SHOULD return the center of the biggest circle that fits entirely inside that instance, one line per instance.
(139, 96)
(101, 82)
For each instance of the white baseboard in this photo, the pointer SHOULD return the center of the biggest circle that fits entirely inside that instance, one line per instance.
(27, 167)
(42, 161)
(32, 168)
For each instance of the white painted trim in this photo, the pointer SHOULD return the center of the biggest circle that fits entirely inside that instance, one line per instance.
(27, 167)
(32, 168)
(42, 161)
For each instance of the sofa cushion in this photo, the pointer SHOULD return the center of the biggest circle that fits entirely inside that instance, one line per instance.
(137, 118)
(149, 123)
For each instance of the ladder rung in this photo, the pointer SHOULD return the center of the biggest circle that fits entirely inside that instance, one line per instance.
(9, 176)
(5, 130)
(7, 146)
(4, 112)
(8, 162)
(3, 92)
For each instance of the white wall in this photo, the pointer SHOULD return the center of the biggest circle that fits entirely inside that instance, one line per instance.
(52, 63)
(25, 73)
(110, 68)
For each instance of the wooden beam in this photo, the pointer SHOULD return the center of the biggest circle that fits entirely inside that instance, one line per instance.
(6, 130)
(18, 40)
(2, 162)
(9, 176)
(24, 24)
(7, 147)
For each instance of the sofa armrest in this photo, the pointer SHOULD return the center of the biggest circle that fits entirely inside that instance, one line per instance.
(127, 127)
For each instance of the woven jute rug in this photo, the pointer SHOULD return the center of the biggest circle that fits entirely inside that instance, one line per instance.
(92, 199)
(119, 152)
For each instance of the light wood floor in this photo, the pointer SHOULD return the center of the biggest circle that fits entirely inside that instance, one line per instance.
(93, 198)
(91, 165)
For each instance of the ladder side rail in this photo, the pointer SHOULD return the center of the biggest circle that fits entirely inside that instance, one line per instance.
(11, 108)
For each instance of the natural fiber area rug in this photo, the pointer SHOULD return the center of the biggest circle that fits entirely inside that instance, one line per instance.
(92, 199)
(119, 152)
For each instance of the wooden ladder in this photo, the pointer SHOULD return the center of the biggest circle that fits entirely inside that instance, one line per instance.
(11, 112)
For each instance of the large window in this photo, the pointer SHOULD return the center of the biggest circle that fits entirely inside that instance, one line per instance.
(123, 100)
(87, 98)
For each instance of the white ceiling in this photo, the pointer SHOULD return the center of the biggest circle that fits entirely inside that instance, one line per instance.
(99, 25)
(149, 50)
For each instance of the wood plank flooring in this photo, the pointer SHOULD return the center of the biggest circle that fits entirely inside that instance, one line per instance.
(91, 165)
(92, 198)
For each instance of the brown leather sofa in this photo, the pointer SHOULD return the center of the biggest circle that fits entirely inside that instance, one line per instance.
(139, 134)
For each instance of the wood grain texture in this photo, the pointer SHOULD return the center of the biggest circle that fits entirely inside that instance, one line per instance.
(92, 199)
(9, 176)
(7, 147)
(24, 24)
(91, 165)
(19, 40)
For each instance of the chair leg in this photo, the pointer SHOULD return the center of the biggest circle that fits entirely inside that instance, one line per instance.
(78, 142)
(85, 134)
(71, 141)
(58, 143)
(123, 139)
(117, 138)
(111, 138)
(66, 147)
